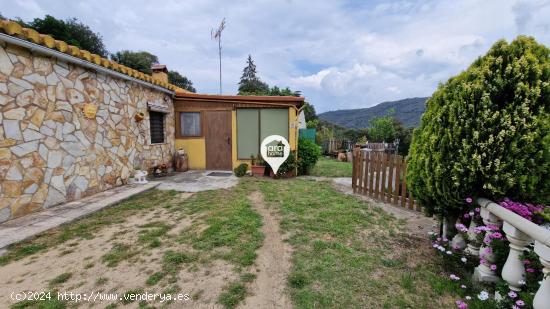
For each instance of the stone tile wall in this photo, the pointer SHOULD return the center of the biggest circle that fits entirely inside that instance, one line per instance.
(50, 152)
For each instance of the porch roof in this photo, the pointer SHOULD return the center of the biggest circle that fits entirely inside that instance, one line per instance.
(241, 99)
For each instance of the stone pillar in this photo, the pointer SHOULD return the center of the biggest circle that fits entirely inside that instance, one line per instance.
(514, 271)
(483, 272)
(542, 298)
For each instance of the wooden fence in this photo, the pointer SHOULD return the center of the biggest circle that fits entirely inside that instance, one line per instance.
(382, 176)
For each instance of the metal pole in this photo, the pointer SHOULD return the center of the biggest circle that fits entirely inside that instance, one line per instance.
(220, 54)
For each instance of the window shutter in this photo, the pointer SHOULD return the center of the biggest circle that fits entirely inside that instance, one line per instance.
(156, 123)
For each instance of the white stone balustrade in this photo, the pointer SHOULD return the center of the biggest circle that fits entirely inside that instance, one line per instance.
(520, 232)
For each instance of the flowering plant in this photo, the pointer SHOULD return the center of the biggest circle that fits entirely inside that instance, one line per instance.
(526, 210)
(513, 299)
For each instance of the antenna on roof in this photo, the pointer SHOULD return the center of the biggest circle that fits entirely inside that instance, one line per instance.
(217, 35)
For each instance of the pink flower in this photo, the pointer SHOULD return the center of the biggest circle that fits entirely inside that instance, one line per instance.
(477, 209)
(496, 235)
(520, 302)
(466, 216)
(454, 277)
(469, 200)
(512, 294)
(530, 270)
(463, 286)
(493, 267)
(526, 262)
(461, 305)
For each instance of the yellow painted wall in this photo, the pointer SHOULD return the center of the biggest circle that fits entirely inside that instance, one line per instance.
(292, 123)
(196, 152)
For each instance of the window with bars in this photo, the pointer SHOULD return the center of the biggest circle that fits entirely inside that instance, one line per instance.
(156, 124)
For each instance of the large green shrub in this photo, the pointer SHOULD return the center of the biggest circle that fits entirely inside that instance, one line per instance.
(308, 154)
(486, 132)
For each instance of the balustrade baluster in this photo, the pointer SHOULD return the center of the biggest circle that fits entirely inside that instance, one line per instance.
(473, 246)
(483, 272)
(514, 270)
(542, 298)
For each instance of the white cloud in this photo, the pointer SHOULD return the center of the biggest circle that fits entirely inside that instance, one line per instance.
(357, 53)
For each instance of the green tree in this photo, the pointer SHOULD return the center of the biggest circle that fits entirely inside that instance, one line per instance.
(276, 91)
(250, 83)
(382, 128)
(138, 60)
(181, 81)
(309, 111)
(404, 135)
(486, 132)
(70, 31)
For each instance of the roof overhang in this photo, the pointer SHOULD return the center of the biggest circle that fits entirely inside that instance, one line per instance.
(241, 99)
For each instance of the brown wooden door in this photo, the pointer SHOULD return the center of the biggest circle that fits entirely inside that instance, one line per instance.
(218, 140)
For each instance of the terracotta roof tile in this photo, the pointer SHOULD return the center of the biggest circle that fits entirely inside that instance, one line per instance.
(14, 29)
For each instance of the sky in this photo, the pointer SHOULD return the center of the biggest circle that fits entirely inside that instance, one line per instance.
(339, 54)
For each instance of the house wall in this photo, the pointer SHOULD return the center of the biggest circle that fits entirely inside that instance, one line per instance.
(49, 151)
(196, 152)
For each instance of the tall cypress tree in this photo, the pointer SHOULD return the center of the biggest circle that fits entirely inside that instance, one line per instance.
(486, 132)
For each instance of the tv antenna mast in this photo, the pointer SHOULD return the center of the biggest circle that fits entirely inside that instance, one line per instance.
(217, 35)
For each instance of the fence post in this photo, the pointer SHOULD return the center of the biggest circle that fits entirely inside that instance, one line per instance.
(390, 178)
(356, 159)
(404, 185)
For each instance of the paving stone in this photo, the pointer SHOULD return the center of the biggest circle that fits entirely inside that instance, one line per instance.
(15, 113)
(6, 66)
(5, 214)
(12, 129)
(31, 135)
(54, 158)
(25, 148)
(14, 173)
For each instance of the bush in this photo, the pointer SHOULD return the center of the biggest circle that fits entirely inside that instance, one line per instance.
(486, 132)
(288, 166)
(240, 170)
(308, 154)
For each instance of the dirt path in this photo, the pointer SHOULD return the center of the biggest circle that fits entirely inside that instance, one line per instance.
(273, 262)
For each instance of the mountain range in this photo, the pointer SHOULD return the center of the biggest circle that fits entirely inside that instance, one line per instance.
(408, 111)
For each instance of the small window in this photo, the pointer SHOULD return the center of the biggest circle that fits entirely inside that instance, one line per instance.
(190, 124)
(156, 122)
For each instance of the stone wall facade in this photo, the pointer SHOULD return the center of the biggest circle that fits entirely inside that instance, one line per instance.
(50, 152)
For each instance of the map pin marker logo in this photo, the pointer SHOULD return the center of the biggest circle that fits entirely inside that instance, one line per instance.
(275, 150)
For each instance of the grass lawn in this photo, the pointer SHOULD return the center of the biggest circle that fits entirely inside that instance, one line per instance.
(328, 167)
(346, 253)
